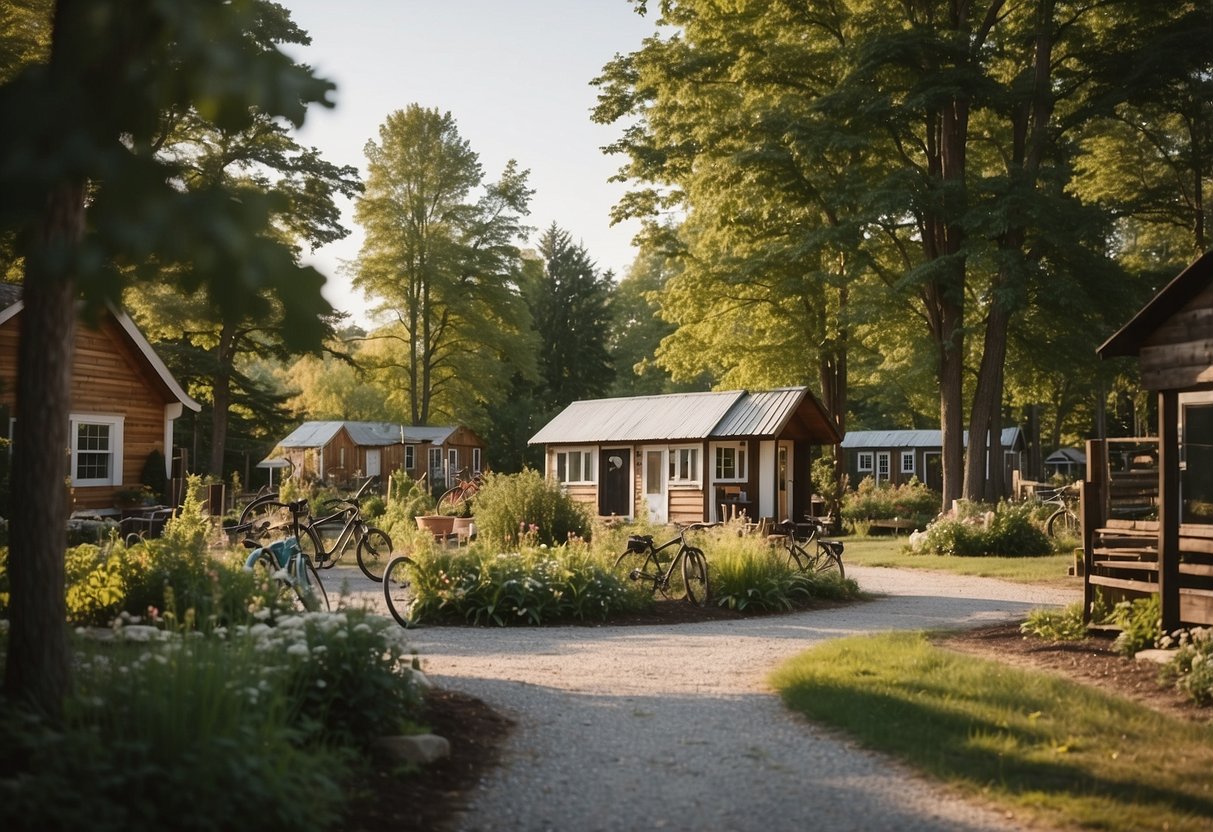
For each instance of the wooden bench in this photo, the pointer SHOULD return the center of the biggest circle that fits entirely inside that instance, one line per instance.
(894, 526)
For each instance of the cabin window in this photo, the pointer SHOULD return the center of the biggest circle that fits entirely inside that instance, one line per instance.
(410, 457)
(452, 464)
(684, 466)
(475, 460)
(864, 462)
(575, 466)
(907, 462)
(1196, 458)
(96, 450)
(882, 466)
(730, 463)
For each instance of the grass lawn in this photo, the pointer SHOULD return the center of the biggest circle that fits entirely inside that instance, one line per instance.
(890, 551)
(1032, 743)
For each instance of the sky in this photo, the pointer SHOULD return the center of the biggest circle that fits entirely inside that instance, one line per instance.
(514, 74)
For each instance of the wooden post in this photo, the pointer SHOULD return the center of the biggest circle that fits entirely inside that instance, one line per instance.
(1168, 507)
(1091, 506)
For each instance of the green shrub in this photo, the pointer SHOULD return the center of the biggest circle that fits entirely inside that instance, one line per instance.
(909, 501)
(1008, 531)
(1140, 623)
(515, 508)
(536, 585)
(1192, 668)
(1056, 625)
(749, 575)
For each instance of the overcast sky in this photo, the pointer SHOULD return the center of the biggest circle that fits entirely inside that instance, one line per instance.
(515, 76)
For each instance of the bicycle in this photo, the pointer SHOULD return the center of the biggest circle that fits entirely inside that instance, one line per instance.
(372, 546)
(686, 576)
(400, 588)
(1063, 521)
(807, 550)
(463, 491)
(284, 561)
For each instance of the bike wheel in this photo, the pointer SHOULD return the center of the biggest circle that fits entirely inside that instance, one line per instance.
(309, 589)
(638, 566)
(400, 588)
(827, 559)
(695, 577)
(1062, 522)
(374, 552)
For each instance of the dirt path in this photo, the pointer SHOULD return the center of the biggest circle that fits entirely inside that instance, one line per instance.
(675, 728)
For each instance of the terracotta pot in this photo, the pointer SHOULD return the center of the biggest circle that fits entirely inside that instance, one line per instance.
(438, 525)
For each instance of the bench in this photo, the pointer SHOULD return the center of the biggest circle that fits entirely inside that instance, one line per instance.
(893, 526)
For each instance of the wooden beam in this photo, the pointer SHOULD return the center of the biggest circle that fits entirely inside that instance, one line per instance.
(1168, 508)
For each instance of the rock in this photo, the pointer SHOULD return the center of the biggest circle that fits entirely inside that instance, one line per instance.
(1156, 656)
(422, 749)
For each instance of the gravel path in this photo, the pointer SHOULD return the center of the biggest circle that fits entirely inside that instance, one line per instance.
(675, 727)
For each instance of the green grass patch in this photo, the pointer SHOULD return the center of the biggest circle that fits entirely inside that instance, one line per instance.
(1031, 742)
(893, 552)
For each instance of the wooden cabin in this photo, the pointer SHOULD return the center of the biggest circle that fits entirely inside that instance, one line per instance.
(124, 402)
(1127, 551)
(690, 457)
(343, 452)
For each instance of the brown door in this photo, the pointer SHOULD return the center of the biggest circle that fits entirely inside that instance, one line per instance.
(614, 482)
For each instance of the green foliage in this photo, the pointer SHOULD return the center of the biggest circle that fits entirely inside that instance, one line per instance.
(1007, 531)
(510, 507)
(908, 501)
(1056, 625)
(1140, 623)
(535, 585)
(1192, 668)
(95, 586)
(749, 575)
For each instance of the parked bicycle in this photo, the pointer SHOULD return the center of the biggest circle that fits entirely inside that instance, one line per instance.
(806, 549)
(463, 490)
(686, 574)
(283, 560)
(1064, 520)
(372, 545)
(400, 588)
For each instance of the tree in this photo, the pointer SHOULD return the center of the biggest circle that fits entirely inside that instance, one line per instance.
(443, 267)
(569, 307)
(94, 205)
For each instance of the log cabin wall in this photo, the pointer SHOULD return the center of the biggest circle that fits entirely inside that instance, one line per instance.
(109, 377)
(1179, 354)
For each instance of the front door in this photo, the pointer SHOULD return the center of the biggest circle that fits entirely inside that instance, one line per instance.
(614, 482)
(783, 481)
(372, 462)
(654, 484)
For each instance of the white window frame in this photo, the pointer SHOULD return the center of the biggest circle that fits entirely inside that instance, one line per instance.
(740, 462)
(116, 425)
(864, 462)
(452, 464)
(410, 457)
(884, 466)
(475, 460)
(561, 466)
(684, 466)
(907, 462)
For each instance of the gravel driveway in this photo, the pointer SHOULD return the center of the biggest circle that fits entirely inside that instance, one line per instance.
(675, 728)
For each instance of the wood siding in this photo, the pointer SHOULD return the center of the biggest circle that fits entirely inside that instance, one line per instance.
(109, 377)
(1179, 354)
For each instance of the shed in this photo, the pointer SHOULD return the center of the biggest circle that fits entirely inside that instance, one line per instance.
(345, 451)
(690, 456)
(1172, 337)
(1070, 463)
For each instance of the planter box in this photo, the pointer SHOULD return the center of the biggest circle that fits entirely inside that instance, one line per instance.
(439, 525)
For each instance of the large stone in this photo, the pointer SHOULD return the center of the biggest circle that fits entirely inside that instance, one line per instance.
(421, 749)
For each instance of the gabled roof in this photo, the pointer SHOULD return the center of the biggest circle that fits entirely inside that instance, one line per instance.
(913, 438)
(1066, 456)
(11, 304)
(680, 417)
(1182, 290)
(369, 434)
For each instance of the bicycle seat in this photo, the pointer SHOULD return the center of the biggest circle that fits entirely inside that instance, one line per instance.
(639, 542)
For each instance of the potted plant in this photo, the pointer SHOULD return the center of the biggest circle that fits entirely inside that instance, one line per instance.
(129, 499)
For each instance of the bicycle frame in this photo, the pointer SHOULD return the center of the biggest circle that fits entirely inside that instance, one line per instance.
(691, 560)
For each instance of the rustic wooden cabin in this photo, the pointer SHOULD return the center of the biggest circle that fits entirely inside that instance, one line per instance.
(1126, 551)
(343, 452)
(690, 457)
(123, 403)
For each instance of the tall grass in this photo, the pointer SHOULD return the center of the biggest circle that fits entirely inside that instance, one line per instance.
(750, 575)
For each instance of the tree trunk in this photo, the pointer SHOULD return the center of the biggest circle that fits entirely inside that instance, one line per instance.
(985, 427)
(221, 402)
(37, 669)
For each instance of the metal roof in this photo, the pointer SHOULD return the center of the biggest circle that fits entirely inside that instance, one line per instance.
(1066, 455)
(678, 416)
(760, 414)
(371, 434)
(912, 438)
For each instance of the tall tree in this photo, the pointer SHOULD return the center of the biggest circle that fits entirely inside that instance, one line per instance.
(442, 265)
(95, 204)
(569, 305)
